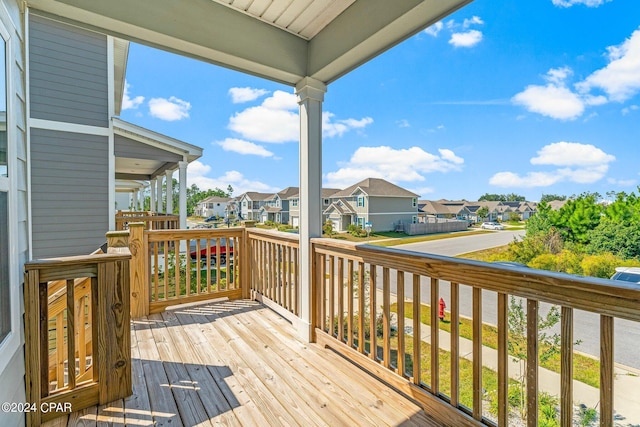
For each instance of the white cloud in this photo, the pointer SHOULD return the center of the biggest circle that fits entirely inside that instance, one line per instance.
(130, 103)
(629, 109)
(276, 120)
(395, 165)
(197, 174)
(434, 29)
(244, 147)
(576, 162)
(404, 123)
(571, 154)
(620, 79)
(623, 182)
(466, 39)
(588, 3)
(171, 109)
(245, 94)
(475, 20)
(422, 191)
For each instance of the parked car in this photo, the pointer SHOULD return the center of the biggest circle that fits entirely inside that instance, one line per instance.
(492, 226)
(627, 274)
(213, 251)
(211, 218)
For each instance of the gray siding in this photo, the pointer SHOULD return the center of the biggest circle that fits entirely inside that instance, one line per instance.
(69, 182)
(391, 204)
(67, 73)
(12, 377)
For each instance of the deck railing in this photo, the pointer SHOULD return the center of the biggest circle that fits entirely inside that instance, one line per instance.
(193, 265)
(274, 274)
(77, 341)
(152, 220)
(366, 308)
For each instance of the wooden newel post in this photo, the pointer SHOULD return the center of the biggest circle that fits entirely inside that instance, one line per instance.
(245, 261)
(139, 276)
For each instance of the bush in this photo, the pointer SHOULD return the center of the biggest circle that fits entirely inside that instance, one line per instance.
(356, 231)
(547, 262)
(603, 265)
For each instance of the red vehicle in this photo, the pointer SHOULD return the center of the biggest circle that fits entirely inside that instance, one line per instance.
(213, 250)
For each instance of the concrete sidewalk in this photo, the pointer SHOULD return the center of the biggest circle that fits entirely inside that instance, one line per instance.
(626, 385)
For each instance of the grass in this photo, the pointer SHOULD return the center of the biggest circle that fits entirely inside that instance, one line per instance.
(487, 255)
(585, 369)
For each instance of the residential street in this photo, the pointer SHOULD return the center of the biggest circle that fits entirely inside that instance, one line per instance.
(586, 325)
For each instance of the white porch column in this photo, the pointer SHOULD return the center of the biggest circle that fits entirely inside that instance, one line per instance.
(140, 206)
(169, 186)
(182, 206)
(152, 188)
(310, 97)
(134, 200)
(159, 208)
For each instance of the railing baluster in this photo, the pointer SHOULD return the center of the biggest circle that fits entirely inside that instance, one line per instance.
(455, 344)
(71, 335)
(373, 346)
(323, 291)
(156, 272)
(80, 325)
(532, 362)
(60, 350)
(187, 269)
(350, 297)
(279, 266)
(566, 367)
(296, 278)
(332, 289)
(503, 359)
(361, 307)
(417, 339)
(340, 291)
(435, 336)
(606, 371)
(198, 261)
(286, 267)
(386, 318)
(477, 353)
(218, 262)
(400, 303)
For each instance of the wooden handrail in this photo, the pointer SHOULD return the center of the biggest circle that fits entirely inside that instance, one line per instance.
(91, 310)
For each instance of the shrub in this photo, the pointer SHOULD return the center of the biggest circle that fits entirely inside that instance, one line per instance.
(547, 262)
(356, 231)
(603, 265)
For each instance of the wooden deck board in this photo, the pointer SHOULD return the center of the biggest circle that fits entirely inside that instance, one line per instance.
(237, 363)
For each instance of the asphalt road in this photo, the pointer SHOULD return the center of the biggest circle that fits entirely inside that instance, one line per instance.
(586, 325)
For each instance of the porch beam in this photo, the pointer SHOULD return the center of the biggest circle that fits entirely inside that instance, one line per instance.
(310, 94)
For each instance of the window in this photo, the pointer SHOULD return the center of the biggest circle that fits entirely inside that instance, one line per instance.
(360, 201)
(361, 222)
(244, 204)
(414, 202)
(294, 203)
(326, 202)
(414, 219)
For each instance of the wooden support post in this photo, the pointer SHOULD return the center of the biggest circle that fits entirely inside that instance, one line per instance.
(138, 270)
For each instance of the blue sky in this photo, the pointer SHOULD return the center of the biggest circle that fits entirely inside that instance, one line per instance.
(530, 97)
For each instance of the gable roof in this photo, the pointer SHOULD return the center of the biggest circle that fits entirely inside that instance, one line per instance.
(375, 187)
(255, 196)
(215, 199)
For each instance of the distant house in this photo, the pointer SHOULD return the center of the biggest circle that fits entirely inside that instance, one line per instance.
(276, 208)
(250, 204)
(212, 206)
(373, 200)
(294, 201)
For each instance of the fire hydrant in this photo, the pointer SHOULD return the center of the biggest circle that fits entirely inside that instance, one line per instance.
(441, 307)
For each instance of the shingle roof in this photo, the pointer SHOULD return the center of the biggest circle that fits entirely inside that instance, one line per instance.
(376, 187)
(255, 196)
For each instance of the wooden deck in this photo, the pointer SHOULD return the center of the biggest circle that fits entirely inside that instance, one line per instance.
(239, 363)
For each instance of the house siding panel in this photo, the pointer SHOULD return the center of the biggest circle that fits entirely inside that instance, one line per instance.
(69, 181)
(391, 204)
(68, 73)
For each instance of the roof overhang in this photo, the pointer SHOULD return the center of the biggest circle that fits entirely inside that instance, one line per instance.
(350, 34)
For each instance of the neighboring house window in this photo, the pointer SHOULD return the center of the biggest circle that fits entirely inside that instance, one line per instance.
(414, 202)
(326, 202)
(414, 219)
(294, 203)
(244, 204)
(360, 201)
(361, 222)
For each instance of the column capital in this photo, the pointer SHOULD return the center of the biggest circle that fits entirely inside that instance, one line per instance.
(309, 87)
(183, 164)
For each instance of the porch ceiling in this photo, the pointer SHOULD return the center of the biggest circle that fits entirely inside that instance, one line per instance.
(142, 154)
(283, 41)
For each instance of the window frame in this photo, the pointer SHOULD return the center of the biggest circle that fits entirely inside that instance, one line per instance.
(12, 342)
(360, 202)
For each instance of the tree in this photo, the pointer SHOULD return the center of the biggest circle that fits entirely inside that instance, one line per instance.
(511, 197)
(578, 216)
(551, 197)
(483, 212)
